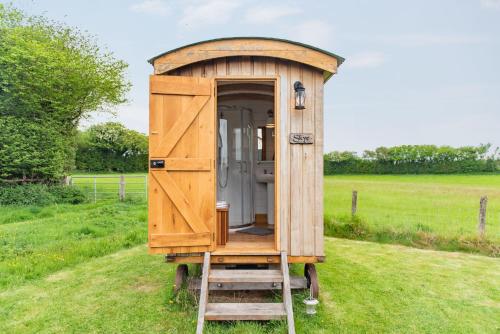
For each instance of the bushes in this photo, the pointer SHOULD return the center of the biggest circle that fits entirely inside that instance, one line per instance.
(51, 76)
(414, 159)
(110, 147)
(40, 194)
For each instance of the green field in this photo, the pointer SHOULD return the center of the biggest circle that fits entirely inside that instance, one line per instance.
(106, 185)
(84, 268)
(76, 269)
(418, 210)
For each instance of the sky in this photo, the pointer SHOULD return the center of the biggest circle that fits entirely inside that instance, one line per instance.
(416, 72)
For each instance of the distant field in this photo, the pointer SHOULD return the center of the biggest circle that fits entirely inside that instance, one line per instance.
(107, 186)
(434, 211)
(443, 206)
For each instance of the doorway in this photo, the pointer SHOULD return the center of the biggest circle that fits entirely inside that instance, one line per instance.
(246, 165)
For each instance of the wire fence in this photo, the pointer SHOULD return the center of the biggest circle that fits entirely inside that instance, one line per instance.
(465, 216)
(99, 187)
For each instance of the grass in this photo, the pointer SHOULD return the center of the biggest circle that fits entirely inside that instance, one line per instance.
(107, 185)
(38, 241)
(84, 268)
(435, 211)
(366, 288)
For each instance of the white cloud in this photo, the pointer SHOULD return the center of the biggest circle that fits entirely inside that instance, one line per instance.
(365, 60)
(418, 40)
(155, 7)
(492, 4)
(269, 13)
(314, 32)
(208, 12)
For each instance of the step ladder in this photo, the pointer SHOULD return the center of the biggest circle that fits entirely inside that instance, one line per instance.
(245, 311)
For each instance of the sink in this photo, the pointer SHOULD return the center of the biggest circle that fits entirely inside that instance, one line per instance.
(264, 178)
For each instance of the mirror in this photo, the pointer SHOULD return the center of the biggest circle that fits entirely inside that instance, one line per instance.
(265, 144)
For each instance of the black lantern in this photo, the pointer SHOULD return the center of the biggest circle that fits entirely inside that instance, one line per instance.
(300, 95)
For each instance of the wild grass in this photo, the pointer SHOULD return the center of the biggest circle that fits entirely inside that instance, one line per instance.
(365, 288)
(428, 211)
(37, 241)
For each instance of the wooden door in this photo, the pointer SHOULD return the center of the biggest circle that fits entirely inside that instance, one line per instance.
(182, 165)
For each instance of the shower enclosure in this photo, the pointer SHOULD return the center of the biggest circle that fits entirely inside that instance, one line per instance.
(235, 163)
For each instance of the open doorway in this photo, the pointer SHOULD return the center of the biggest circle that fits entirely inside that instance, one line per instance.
(246, 164)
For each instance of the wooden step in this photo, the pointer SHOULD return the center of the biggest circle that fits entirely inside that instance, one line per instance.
(296, 283)
(245, 311)
(247, 276)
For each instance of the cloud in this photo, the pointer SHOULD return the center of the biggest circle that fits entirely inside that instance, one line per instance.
(269, 14)
(155, 7)
(418, 40)
(314, 32)
(208, 12)
(490, 4)
(365, 60)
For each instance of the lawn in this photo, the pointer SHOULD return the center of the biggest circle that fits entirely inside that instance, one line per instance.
(85, 268)
(366, 288)
(37, 241)
(413, 209)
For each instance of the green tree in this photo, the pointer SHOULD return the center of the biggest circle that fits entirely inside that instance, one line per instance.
(112, 147)
(51, 76)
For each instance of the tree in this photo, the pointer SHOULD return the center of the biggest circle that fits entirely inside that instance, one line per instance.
(51, 76)
(112, 147)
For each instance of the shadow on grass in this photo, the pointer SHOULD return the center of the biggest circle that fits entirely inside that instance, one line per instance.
(354, 227)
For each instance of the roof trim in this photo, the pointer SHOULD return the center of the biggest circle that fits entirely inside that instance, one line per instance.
(271, 47)
(340, 59)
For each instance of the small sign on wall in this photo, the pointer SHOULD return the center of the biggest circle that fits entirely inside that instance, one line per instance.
(301, 138)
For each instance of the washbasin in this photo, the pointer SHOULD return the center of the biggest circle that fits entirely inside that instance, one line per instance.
(264, 178)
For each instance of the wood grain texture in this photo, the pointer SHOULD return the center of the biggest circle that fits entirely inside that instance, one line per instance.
(180, 239)
(246, 48)
(300, 169)
(245, 276)
(287, 294)
(181, 133)
(202, 306)
(240, 259)
(245, 311)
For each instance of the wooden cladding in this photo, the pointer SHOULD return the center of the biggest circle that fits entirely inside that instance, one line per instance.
(324, 63)
(301, 166)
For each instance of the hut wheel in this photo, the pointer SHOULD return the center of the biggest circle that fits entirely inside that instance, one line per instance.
(180, 276)
(312, 278)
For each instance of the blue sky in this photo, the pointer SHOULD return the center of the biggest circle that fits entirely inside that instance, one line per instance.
(416, 72)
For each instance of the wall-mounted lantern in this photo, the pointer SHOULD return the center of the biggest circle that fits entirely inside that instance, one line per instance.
(300, 95)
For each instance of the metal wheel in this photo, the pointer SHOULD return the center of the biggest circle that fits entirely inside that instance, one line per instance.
(181, 275)
(312, 278)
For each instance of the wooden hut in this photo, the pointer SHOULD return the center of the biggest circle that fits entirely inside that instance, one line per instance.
(236, 161)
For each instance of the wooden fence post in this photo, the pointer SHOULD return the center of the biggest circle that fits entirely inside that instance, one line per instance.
(482, 215)
(354, 207)
(122, 188)
(95, 189)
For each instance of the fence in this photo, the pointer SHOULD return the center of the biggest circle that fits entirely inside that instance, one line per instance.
(111, 186)
(457, 221)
